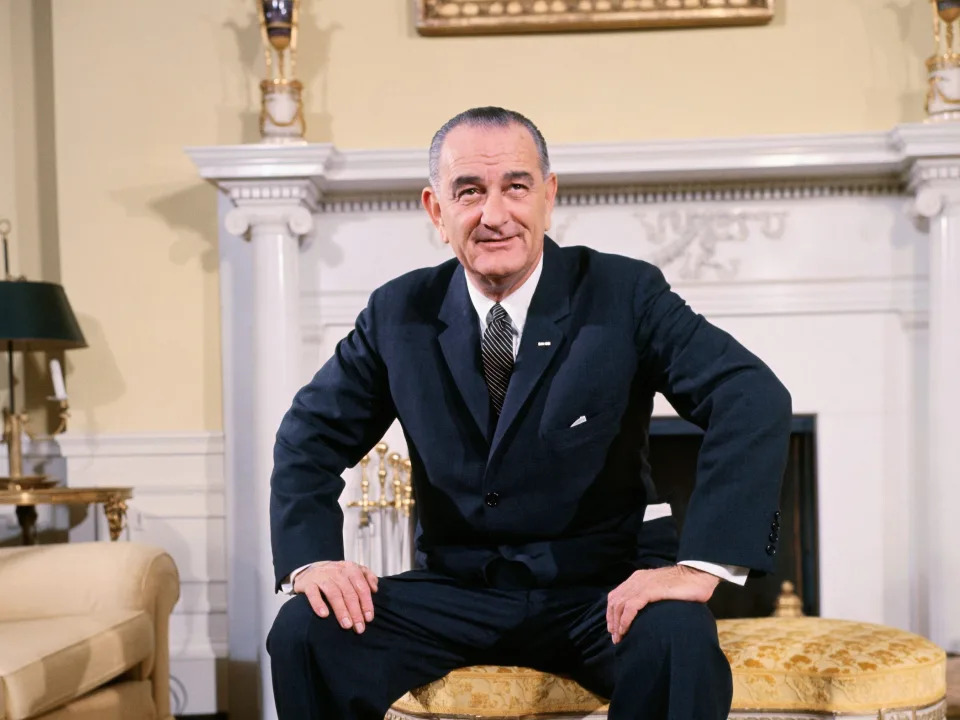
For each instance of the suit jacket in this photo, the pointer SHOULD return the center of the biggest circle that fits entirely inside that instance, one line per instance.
(603, 334)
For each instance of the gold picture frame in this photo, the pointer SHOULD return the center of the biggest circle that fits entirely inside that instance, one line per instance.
(487, 17)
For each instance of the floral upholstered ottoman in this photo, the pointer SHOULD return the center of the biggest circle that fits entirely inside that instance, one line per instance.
(787, 668)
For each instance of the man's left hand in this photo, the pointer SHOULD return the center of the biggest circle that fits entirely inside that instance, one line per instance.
(678, 582)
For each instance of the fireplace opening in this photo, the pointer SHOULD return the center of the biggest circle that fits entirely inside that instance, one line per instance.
(674, 447)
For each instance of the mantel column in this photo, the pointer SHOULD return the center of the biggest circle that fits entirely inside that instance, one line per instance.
(936, 183)
(274, 215)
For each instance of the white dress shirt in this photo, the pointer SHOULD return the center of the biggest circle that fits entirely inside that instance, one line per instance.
(516, 305)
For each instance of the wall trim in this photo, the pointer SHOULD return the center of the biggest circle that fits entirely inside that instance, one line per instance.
(79, 445)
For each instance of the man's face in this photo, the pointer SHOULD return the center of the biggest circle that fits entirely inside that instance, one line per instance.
(492, 204)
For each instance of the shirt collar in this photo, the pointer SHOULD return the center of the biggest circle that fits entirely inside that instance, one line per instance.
(516, 303)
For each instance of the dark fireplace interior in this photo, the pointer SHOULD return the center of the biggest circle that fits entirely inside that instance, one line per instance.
(674, 446)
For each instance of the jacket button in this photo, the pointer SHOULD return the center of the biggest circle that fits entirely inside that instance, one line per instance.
(771, 550)
(776, 516)
(492, 499)
(774, 536)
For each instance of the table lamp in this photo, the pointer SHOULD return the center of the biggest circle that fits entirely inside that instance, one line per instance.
(33, 316)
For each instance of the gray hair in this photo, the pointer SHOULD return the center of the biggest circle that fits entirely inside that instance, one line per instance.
(485, 117)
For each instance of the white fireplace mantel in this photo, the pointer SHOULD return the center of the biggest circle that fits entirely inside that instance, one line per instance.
(877, 154)
(836, 257)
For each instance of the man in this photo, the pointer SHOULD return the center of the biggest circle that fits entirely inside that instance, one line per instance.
(523, 375)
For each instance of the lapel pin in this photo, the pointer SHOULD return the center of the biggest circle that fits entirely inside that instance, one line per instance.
(543, 343)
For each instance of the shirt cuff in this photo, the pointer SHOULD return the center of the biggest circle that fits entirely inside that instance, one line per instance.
(731, 573)
(286, 587)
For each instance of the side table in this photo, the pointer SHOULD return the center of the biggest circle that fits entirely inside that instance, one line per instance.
(113, 499)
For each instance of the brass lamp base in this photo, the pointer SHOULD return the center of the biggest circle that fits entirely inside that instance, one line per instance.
(26, 482)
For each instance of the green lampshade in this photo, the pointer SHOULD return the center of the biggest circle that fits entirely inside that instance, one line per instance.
(37, 316)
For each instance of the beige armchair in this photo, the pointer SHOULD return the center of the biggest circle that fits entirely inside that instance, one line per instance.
(84, 631)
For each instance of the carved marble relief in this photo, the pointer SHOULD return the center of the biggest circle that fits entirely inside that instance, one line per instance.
(700, 242)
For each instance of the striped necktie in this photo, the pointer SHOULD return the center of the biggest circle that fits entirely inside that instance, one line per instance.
(496, 349)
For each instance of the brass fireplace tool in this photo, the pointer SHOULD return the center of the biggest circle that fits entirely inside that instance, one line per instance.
(392, 510)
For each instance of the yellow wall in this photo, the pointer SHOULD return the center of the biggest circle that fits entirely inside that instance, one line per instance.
(27, 159)
(7, 165)
(822, 66)
(134, 82)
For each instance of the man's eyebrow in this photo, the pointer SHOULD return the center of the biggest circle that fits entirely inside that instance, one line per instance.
(462, 180)
(519, 175)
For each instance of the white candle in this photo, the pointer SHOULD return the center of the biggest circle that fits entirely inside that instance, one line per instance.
(59, 389)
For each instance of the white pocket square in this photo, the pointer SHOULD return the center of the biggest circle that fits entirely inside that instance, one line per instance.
(579, 421)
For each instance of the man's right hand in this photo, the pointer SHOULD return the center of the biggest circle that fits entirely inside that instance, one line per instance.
(346, 587)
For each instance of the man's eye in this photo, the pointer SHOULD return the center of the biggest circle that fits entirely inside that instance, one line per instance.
(467, 193)
(518, 186)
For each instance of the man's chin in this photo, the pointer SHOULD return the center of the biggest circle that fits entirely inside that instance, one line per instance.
(497, 274)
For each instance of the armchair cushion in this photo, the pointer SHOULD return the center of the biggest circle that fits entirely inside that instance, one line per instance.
(48, 662)
(118, 701)
(117, 589)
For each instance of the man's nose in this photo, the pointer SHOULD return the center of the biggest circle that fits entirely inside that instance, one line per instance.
(495, 213)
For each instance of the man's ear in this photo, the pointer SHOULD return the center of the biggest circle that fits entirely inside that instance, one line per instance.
(550, 189)
(431, 203)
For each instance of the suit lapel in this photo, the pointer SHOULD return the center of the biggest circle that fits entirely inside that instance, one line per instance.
(542, 337)
(460, 343)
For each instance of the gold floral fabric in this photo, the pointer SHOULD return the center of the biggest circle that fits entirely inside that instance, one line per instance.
(488, 691)
(779, 664)
(817, 664)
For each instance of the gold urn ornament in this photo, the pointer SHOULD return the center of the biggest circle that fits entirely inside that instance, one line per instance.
(281, 106)
(943, 67)
(948, 10)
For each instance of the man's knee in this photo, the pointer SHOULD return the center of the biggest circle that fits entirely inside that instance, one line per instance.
(674, 624)
(674, 643)
(292, 627)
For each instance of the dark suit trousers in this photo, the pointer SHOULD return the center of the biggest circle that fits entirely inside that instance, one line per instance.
(668, 666)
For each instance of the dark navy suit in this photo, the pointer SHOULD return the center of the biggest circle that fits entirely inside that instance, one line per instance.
(528, 506)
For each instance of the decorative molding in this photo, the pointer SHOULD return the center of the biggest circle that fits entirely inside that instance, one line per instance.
(78, 445)
(241, 220)
(201, 597)
(925, 139)
(193, 634)
(727, 192)
(882, 156)
(297, 191)
(646, 195)
(936, 185)
(263, 160)
(924, 171)
(398, 202)
(289, 203)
